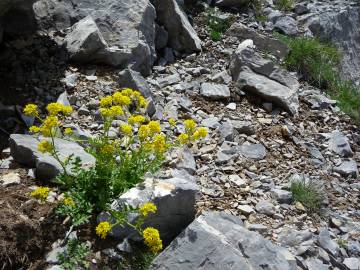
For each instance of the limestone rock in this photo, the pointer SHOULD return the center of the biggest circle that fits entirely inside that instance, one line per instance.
(221, 241)
(24, 151)
(215, 91)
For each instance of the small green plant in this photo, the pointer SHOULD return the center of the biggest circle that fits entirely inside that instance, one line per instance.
(308, 194)
(285, 5)
(342, 243)
(74, 256)
(318, 63)
(217, 23)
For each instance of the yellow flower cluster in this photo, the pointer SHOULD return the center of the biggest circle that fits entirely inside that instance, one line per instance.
(147, 208)
(31, 110)
(172, 122)
(103, 228)
(68, 131)
(45, 147)
(107, 149)
(113, 106)
(56, 108)
(40, 193)
(152, 239)
(159, 144)
(68, 201)
(48, 126)
(191, 133)
(136, 119)
(126, 129)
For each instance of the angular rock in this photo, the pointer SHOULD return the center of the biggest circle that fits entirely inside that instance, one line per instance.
(269, 90)
(339, 144)
(347, 168)
(282, 196)
(182, 36)
(264, 43)
(352, 263)
(175, 201)
(327, 243)
(215, 91)
(24, 151)
(265, 207)
(161, 38)
(10, 179)
(128, 27)
(253, 151)
(315, 264)
(186, 160)
(287, 25)
(231, 3)
(221, 241)
(244, 127)
(293, 238)
(85, 42)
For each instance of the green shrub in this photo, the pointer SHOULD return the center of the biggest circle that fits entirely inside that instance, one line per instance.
(216, 23)
(307, 193)
(285, 5)
(318, 64)
(74, 256)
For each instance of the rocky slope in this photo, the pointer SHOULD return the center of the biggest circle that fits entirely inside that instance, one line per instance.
(266, 128)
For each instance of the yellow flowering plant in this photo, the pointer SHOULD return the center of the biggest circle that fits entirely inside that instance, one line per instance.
(150, 235)
(121, 161)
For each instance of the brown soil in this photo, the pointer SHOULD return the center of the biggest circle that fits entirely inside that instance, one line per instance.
(27, 228)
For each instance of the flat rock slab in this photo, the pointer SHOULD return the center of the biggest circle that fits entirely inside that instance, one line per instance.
(339, 144)
(23, 148)
(253, 151)
(215, 91)
(219, 241)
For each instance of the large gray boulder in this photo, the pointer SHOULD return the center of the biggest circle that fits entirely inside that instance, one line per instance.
(24, 150)
(128, 28)
(175, 199)
(182, 36)
(340, 26)
(261, 77)
(219, 241)
(264, 43)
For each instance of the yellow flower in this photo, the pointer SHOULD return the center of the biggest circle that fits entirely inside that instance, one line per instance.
(142, 103)
(116, 111)
(136, 119)
(31, 110)
(54, 108)
(41, 193)
(154, 127)
(127, 92)
(200, 133)
(144, 132)
(103, 228)
(152, 239)
(105, 112)
(126, 129)
(121, 99)
(45, 146)
(172, 122)
(49, 123)
(34, 129)
(183, 138)
(159, 143)
(67, 110)
(107, 149)
(68, 131)
(147, 208)
(68, 201)
(106, 101)
(190, 126)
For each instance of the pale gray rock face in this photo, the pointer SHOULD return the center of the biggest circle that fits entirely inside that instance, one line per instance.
(221, 241)
(286, 25)
(24, 151)
(128, 28)
(261, 41)
(253, 151)
(261, 77)
(215, 91)
(347, 168)
(175, 201)
(339, 144)
(182, 36)
(341, 27)
(327, 243)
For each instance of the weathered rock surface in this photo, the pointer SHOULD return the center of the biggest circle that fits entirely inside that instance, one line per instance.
(128, 28)
(24, 151)
(175, 200)
(261, 77)
(215, 91)
(221, 242)
(182, 36)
